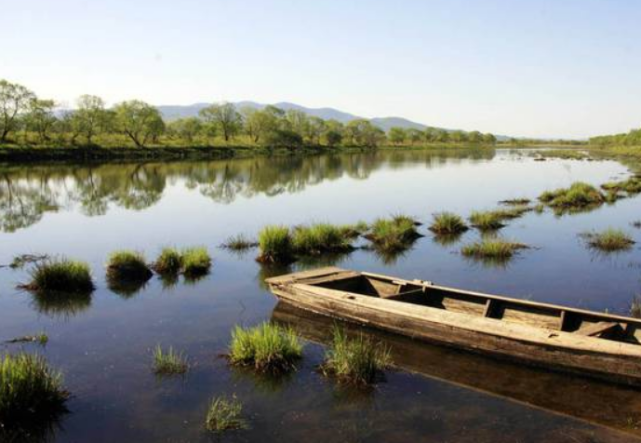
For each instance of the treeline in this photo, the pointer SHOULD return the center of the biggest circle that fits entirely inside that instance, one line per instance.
(632, 138)
(29, 120)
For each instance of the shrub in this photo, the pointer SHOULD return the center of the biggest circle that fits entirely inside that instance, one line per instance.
(224, 414)
(358, 360)
(267, 348)
(447, 223)
(275, 244)
(61, 275)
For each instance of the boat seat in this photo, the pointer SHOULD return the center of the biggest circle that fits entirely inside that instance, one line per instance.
(597, 329)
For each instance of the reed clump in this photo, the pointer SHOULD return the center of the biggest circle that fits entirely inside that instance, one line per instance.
(239, 243)
(275, 245)
(322, 238)
(356, 360)
(516, 202)
(128, 266)
(578, 196)
(609, 240)
(492, 249)
(224, 414)
(447, 224)
(395, 234)
(486, 220)
(196, 262)
(267, 347)
(631, 186)
(60, 275)
(169, 362)
(169, 262)
(30, 391)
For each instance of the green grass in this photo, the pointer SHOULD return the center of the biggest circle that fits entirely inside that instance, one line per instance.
(356, 360)
(632, 186)
(169, 362)
(492, 249)
(30, 391)
(275, 243)
(610, 240)
(448, 223)
(60, 275)
(322, 238)
(266, 348)
(486, 220)
(516, 202)
(239, 243)
(579, 195)
(224, 414)
(195, 261)
(169, 262)
(395, 234)
(128, 266)
(565, 154)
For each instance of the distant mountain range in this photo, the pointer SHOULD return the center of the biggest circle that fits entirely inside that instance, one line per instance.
(172, 112)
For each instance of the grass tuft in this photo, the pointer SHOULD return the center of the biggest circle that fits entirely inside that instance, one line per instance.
(486, 220)
(239, 243)
(610, 240)
(448, 223)
(492, 249)
(516, 202)
(322, 238)
(128, 266)
(275, 243)
(355, 360)
(30, 391)
(196, 261)
(267, 348)
(395, 234)
(224, 414)
(41, 338)
(578, 196)
(169, 262)
(60, 275)
(169, 362)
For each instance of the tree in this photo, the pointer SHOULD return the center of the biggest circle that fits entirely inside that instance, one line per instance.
(315, 129)
(225, 117)
(90, 117)
(284, 138)
(489, 139)
(14, 100)
(397, 135)
(334, 138)
(414, 135)
(297, 121)
(139, 121)
(363, 133)
(40, 118)
(475, 137)
(186, 128)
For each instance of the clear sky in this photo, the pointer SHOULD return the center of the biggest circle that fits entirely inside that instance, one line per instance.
(561, 68)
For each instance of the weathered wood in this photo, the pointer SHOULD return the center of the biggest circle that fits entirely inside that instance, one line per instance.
(528, 331)
(596, 329)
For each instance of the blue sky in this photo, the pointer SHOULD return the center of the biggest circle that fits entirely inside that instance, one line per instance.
(563, 68)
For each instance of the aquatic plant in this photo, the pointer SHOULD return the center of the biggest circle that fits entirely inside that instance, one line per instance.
(224, 414)
(196, 262)
(239, 243)
(322, 238)
(494, 248)
(30, 391)
(447, 223)
(60, 275)
(395, 234)
(41, 338)
(578, 195)
(632, 186)
(20, 261)
(356, 360)
(169, 362)
(516, 202)
(267, 347)
(169, 262)
(486, 220)
(128, 266)
(275, 245)
(609, 240)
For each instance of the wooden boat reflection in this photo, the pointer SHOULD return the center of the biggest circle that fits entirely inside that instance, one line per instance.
(587, 399)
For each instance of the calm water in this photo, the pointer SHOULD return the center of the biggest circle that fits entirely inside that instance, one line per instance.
(103, 343)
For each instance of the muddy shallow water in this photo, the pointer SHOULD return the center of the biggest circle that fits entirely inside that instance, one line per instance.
(102, 343)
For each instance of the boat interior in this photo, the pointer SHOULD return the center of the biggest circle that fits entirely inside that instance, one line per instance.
(551, 317)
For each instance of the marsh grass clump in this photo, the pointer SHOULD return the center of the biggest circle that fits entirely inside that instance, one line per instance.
(169, 362)
(239, 243)
(578, 196)
(169, 262)
(448, 224)
(41, 338)
(128, 266)
(356, 360)
(492, 248)
(275, 243)
(322, 238)
(30, 391)
(513, 212)
(610, 240)
(20, 261)
(486, 220)
(395, 234)
(60, 275)
(631, 186)
(516, 202)
(267, 347)
(196, 262)
(224, 414)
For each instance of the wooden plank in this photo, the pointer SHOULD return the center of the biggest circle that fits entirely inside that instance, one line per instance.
(488, 307)
(596, 329)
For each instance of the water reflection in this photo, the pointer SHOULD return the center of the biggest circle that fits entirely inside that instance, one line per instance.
(28, 192)
(61, 305)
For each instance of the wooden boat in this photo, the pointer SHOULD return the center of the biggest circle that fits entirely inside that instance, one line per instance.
(556, 337)
(594, 401)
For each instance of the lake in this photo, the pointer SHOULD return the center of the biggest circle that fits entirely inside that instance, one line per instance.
(103, 343)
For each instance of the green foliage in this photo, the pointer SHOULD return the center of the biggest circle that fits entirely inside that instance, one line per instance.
(610, 240)
(267, 348)
(225, 117)
(61, 275)
(128, 265)
(139, 121)
(448, 223)
(578, 196)
(355, 360)
(322, 238)
(516, 202)
(169, 362)
(492, 249)
(195, 261)
(395, 234)
(14, 100)
(168, 262)
(30, 391)
(275, 245)
(224, 414)
(487, 220)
